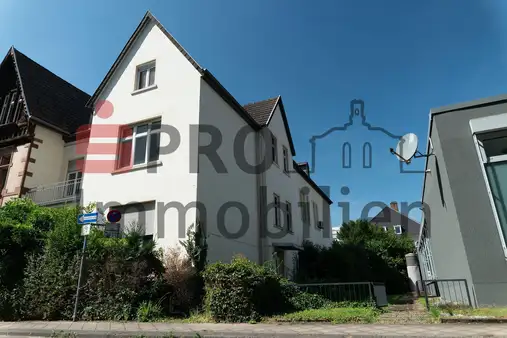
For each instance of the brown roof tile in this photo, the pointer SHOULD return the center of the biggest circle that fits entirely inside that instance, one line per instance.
(261, 110)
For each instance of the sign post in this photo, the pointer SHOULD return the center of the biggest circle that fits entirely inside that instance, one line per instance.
(86, 220)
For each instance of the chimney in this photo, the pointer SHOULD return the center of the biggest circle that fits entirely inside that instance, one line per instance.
(394, 206)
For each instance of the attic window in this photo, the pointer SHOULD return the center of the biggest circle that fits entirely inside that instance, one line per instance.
(145, 75)
(397, 229)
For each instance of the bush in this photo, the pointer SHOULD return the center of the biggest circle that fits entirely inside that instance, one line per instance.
(180, 275)
(365, 252)
(149, 311)
(304, 301)
(242, 291)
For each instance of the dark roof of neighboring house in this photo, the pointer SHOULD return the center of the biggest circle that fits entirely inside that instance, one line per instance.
(389, 216)
(49, 98)
(261, 110)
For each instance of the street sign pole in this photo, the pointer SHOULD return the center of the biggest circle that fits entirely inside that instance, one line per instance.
(80, 273)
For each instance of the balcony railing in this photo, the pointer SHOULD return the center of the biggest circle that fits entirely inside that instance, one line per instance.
(57, 193)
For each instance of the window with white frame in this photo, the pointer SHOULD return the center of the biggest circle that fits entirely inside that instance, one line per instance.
(285, 160)
(492, 148)
(288, 215)
(274, 149)
(74, 177)
(397, 229)
(139, 144)
(305, 206)
(276, 202)
(315, 214)
(145, 75)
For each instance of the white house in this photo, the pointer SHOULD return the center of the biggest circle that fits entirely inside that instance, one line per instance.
(187, 150)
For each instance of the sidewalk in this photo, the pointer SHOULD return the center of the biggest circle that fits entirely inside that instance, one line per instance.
(133, 329)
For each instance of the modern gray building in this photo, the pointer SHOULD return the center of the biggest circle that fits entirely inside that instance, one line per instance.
(465, 194)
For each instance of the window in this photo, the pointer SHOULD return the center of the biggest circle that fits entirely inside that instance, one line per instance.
(274, 150)
(139, 144)
(276, 200)
(315, 214)
(492, 147)
(288, 215)
(285, 160)
(145, 76)
(305, 207)
(385, 228)
(397, 229)
(5, 162)
(138, 217)
(74, 177)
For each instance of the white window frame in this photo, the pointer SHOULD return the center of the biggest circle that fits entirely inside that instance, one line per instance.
(385, 228)
(483, 126)
(396, 228)
(274, 149)
(316, 217)
(288, 215)
(304, 201)
(133, 137)
(148, 67)
(6, 168)
(285, 160)
(276, 203)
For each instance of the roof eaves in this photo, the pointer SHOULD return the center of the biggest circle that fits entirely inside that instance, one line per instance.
(224, 93)
(12, 51)
(148, 17)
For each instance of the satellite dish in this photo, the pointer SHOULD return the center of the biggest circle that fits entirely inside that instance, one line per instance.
(406, 147)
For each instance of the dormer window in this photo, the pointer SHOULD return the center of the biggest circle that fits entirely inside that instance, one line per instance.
(145, 76)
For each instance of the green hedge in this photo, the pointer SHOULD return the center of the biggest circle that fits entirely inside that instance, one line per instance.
(40, 251)
(242, 291)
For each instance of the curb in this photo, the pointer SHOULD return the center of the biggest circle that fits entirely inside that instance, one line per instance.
(157, 334)
(471, 320)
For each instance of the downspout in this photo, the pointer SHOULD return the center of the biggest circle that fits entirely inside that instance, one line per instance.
(261, 196)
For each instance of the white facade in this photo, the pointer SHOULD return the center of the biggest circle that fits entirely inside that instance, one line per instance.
(231, 203)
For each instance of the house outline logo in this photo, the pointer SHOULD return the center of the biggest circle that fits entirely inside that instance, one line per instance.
(356, 110)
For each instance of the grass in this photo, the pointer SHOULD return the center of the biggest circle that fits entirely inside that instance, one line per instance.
(331, 315)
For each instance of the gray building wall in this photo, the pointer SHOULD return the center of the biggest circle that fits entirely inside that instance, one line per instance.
(473, 208)
(446, 241)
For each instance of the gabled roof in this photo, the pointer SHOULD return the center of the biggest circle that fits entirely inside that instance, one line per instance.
(148, 18)
(389, 216)
(262, 113)
(49, 98)
(311, 182)
(261, 110)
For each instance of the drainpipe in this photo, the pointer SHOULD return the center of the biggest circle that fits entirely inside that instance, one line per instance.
(261, 193)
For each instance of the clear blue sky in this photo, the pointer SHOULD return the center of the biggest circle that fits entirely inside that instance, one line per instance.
(401, 57)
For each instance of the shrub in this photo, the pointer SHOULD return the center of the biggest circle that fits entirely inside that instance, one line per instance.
(180, 275)
(242, 291)
(149, 311)
(304, 301)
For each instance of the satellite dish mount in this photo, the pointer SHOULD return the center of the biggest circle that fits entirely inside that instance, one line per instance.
(406, 149)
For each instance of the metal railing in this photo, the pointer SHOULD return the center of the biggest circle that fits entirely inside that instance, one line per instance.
(349, 292)
(57, 193)
(445, 292)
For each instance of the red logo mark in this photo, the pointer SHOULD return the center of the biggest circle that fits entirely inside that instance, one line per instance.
(120, 151)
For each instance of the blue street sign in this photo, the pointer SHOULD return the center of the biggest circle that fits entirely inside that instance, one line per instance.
(87, 218)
